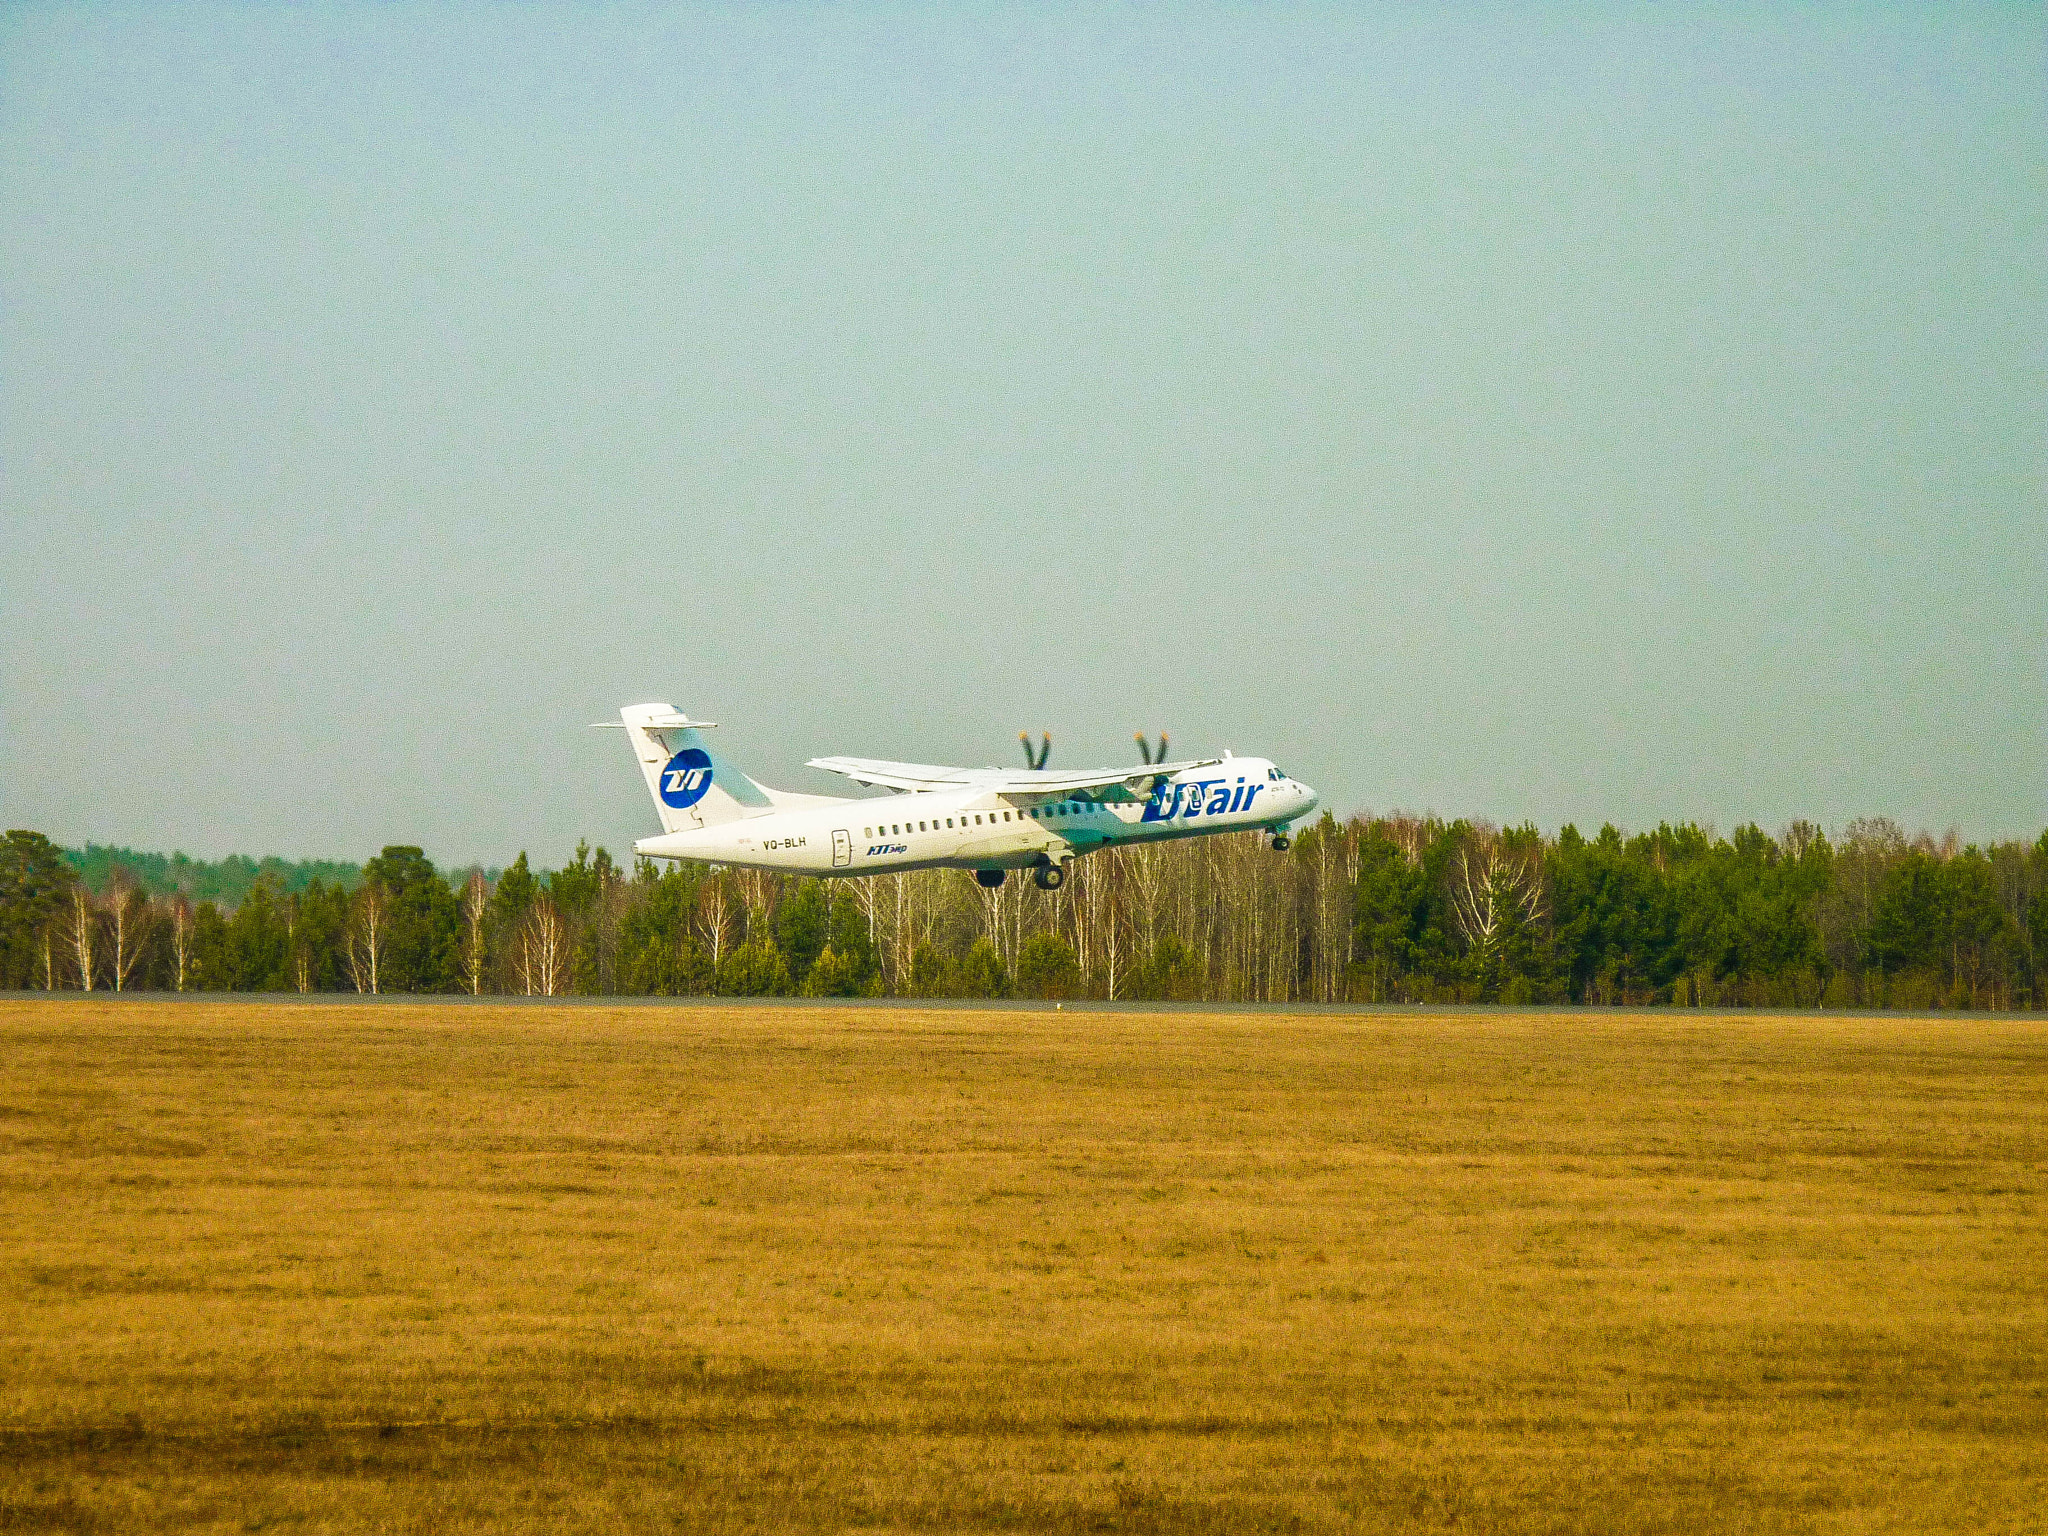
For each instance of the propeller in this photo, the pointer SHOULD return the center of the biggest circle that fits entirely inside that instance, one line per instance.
(1152, 756)
(1036, 760)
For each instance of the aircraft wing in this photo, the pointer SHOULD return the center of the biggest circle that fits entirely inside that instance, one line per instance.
(1022, 783)
(887, 775)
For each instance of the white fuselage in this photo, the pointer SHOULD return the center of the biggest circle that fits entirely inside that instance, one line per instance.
(981, 828)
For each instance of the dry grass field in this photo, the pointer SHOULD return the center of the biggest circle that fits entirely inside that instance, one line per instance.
(267, 1267)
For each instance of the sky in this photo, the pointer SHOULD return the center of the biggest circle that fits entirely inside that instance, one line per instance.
(1535, 413)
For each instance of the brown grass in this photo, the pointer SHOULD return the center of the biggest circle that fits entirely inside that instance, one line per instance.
(306, 1269)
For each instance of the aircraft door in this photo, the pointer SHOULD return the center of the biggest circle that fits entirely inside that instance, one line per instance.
(842, 848)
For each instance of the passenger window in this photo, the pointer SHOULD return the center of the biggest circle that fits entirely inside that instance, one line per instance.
(949, 821)
(867, 831)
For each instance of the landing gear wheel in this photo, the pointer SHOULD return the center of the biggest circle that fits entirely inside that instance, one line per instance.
(1281, 842)
(989, 878)
(1049, 877)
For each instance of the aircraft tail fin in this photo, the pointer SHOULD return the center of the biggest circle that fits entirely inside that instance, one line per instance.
(692, 785)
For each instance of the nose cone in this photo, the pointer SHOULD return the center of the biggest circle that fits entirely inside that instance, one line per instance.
(1309, 798)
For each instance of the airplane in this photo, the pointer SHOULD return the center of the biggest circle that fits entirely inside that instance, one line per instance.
(989, 820)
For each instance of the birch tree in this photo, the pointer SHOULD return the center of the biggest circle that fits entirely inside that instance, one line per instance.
(181, 938)
(1104, 897)
(127, 918)
(867, 896)
(81, 931)
(369, 935)
(476, 907)
(717, 917)
(544, 949)
(1499, 889)
(1146, 865)
(758, 889)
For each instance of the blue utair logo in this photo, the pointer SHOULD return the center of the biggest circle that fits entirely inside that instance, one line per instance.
(686, 777)
(1210, 797)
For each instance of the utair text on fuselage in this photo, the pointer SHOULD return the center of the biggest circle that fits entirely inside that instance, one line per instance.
(989, 820)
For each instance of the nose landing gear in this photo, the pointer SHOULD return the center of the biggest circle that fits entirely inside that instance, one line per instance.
(1281, 842)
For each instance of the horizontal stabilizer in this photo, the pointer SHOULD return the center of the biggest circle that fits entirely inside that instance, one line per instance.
(667, 722)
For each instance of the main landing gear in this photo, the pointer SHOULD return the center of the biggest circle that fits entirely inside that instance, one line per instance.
(1047, 877)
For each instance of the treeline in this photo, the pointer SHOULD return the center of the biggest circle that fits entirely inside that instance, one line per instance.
(225, 881)
(1379, 909)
